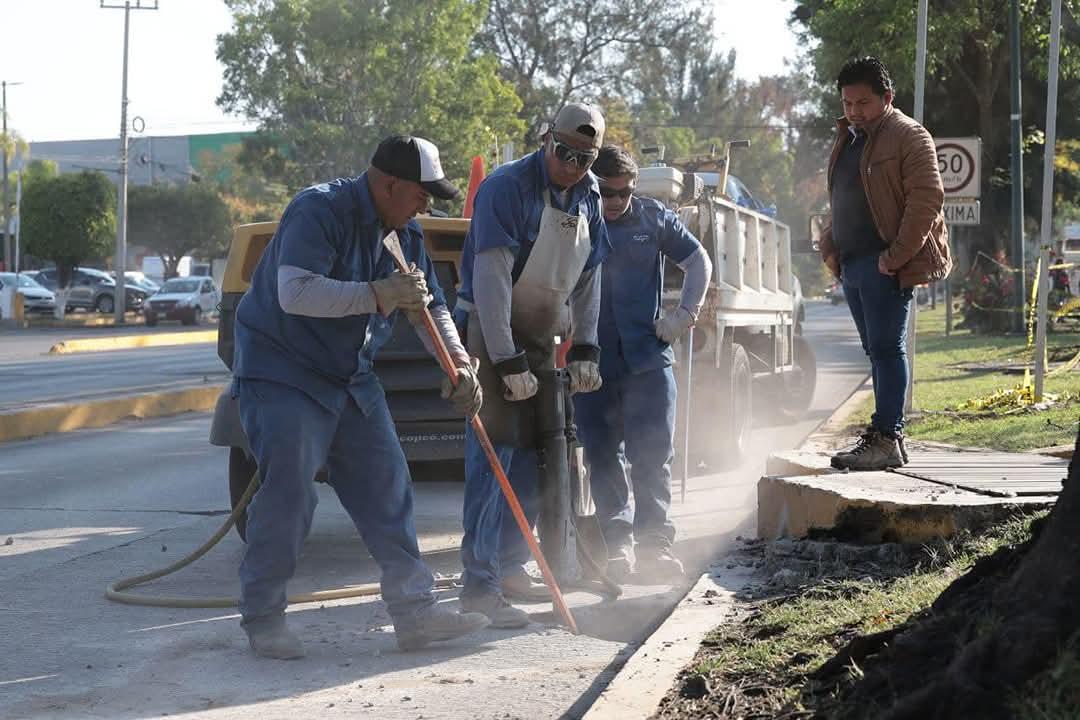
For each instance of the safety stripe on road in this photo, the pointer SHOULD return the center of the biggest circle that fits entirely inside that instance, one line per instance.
(67, 417)
(125, 342)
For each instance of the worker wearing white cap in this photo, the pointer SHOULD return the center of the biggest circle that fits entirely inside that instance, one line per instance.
(536, 239)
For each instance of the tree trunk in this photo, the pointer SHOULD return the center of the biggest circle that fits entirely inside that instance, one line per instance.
(989, 633)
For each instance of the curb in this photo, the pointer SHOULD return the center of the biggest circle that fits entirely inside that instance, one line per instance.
(69, 322)
(646, 678)
(66, 417)
(123, 342)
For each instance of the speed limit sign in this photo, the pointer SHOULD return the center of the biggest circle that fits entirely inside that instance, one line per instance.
(958, 163)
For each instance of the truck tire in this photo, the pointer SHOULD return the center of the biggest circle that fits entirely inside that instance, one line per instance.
(795, 392)
(241, 468)
(722, 415)
(105, 304)
(735, 438)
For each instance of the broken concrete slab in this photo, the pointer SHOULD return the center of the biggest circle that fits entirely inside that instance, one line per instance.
(876, 507)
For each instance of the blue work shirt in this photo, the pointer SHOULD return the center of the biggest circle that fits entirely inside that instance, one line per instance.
(632, 285)
(331, 229)
(507, 211)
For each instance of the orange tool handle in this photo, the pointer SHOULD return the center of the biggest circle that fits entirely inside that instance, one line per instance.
(447, 363)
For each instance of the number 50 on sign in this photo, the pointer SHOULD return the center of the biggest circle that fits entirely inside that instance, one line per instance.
(960, 166)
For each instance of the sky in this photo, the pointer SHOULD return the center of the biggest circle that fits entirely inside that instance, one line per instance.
(68, 55)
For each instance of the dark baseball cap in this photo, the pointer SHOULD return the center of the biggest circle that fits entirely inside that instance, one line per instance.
(415, 159)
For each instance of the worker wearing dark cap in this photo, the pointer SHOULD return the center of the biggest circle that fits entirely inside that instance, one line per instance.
(536, 239)
(323, 300)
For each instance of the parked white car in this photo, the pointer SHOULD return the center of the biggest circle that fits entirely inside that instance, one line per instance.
(36, 297)
(187, 299)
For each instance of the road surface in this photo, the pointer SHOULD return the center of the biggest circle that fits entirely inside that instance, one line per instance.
(83, 509)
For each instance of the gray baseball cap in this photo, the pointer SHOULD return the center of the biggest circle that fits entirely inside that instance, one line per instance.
(581, 122)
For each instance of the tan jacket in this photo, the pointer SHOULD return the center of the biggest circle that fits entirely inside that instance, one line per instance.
(903, 188)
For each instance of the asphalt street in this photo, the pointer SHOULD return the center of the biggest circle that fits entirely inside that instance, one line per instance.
(29, 375)
(85, 508)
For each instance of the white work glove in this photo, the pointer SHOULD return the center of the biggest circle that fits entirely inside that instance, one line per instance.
(520, 386)
(584, 376)
(466, 396)
(407, 291)
(673, 324)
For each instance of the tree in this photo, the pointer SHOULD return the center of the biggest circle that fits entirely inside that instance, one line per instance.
(249, 196)
(586, 49)
(992, 630)
(177, 220)
(328, 79)
(69, 219)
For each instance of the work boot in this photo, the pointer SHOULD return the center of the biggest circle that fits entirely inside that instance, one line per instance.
(523, 588)
(437, 623)
(502, 614)
(874, 451)
(270, 637)
(657, 563)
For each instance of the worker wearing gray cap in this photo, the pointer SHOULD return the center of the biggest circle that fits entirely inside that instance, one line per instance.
(534, 245)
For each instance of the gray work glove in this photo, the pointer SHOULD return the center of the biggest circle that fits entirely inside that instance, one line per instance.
(673, 325)
(466, 396)
(584, 376)
(520, 386)
(405, 291)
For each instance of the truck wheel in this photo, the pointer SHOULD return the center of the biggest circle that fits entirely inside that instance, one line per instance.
(796, 390)
(735, 439)
(241, 468)
(105, 305)
(720, 435)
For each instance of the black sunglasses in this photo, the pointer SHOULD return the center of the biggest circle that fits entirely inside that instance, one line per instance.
(568, 154)
(608, 192)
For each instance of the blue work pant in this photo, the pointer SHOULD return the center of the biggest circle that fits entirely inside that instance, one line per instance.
(631, 419)
(492, 540)
(881, 308)
(292, 437)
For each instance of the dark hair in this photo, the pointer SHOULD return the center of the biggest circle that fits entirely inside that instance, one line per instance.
(614, 161)
(865, 70)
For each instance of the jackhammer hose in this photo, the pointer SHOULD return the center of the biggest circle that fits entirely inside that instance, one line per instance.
(115, 591)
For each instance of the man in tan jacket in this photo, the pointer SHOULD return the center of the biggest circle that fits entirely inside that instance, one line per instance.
(886, 235)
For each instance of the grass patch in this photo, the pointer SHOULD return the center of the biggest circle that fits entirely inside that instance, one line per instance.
(942, 386)
(1053, 694)
(760, 667)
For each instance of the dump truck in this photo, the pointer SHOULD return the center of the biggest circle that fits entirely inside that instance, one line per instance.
(746, 357)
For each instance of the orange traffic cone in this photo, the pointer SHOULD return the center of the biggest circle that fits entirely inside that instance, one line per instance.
(475, 176)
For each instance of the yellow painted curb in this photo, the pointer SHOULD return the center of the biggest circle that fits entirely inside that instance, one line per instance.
(124, 342)
(65, 417)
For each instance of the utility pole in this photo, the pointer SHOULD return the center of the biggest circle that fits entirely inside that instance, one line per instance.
(1017, 141)
(920, 104)
(3, 151)
(1047, 228)
(119, 299)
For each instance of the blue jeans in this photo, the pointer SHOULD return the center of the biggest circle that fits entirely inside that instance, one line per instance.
(492, 541)
(292, 437)
(881, 309)
(631, 418)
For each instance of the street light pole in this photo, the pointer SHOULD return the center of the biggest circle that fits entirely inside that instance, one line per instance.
(1017, 166)
(4, 151)
(1048, 197)
(120, 263)
(920, 105)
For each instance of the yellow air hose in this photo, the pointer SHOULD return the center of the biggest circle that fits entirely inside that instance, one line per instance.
(116, 591)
